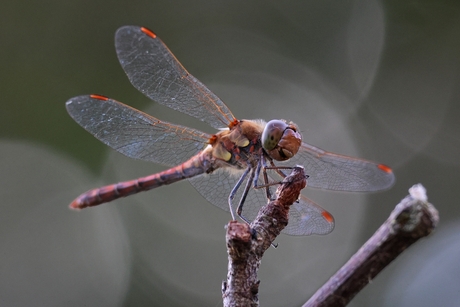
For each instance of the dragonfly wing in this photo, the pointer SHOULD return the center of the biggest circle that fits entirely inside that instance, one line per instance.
(155, 71)
(307, 218)
(342, 173)
(134, 133)
(216, 188)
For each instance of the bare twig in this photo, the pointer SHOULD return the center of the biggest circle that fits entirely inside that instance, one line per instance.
(412, 219)
(246, 244)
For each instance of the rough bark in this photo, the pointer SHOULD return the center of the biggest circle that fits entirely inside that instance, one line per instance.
(246, 244)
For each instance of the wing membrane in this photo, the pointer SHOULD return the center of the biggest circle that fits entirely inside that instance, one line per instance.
(341, 173)
(134, 133)
(305, 216)
(156, 72)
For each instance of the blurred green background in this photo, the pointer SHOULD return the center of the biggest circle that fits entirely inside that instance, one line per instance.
(374, 79)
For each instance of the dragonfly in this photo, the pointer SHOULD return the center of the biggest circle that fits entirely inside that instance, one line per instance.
(232, 164)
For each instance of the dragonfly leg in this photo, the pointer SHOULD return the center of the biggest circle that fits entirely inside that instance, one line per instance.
(267, 184)
(245, 193)
(263, 165)
(253, 177)
(278, 168)
(235, 189)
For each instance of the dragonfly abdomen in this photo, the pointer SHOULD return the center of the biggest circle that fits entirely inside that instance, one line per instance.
(195, 166)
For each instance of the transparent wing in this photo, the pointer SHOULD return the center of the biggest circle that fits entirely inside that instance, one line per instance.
(156, 72)
(337, 172)
(134, 133)
(305, 217)
(216, 188)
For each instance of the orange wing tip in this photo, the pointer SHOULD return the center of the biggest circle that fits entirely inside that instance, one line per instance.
(148, 32)
(327, 216)
(99, 97)
(385, 168)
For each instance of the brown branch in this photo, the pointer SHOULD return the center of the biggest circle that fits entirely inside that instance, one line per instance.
(246, 244)
(412, 219)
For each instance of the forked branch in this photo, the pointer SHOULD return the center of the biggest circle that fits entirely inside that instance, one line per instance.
(412, 219)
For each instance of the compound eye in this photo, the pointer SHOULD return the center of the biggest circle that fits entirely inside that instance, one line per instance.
(272, 134)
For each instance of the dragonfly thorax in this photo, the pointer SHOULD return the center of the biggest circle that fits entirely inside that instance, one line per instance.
(239, 143)
(245, 141)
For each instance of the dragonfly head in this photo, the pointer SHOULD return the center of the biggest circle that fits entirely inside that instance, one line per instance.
(281, 140)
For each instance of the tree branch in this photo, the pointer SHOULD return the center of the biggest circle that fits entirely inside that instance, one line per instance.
(412, 219)
(246, 244)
